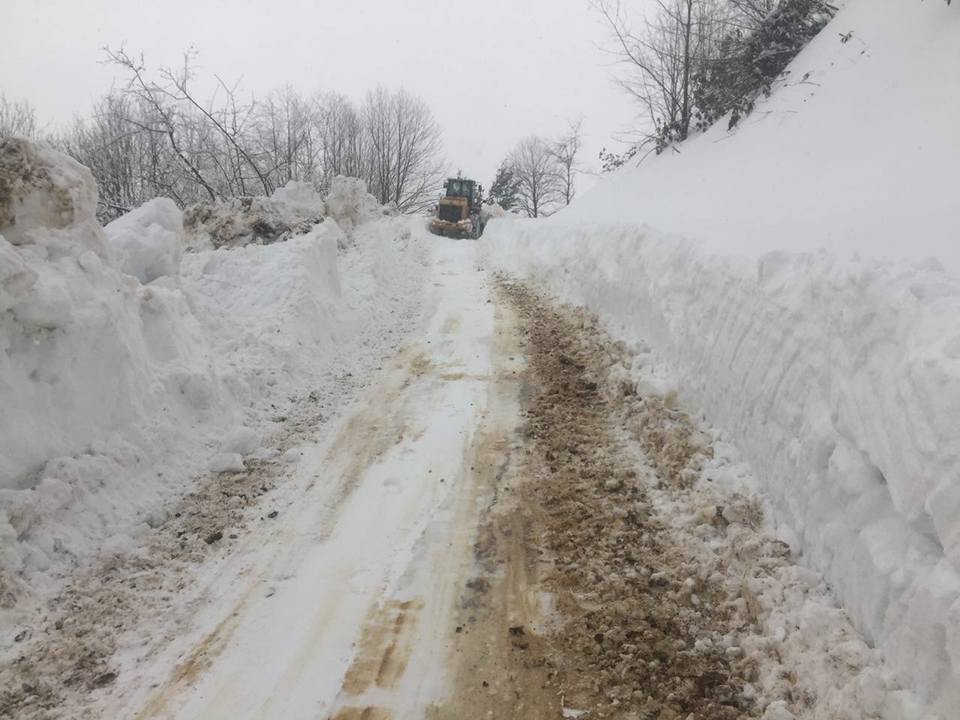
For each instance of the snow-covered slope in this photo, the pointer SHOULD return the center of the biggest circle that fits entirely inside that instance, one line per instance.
(855, 152)
(837, 377)
(127, 366)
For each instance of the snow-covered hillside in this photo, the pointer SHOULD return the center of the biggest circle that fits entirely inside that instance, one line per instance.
(856, 151)
(838, 377)
(128, 365)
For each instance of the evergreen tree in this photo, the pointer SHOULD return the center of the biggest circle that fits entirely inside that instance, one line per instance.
(610, 160)
(747, 64)
(505, 186)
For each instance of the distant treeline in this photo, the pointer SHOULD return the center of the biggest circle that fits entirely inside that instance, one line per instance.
(154, 136)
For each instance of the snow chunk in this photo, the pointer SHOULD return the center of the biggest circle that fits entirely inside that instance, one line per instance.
(298, 199)
(43, 189)
(148, 241)
(242, 441)
(778, 711)
(349, 203)
(293, 455)
(227, 462)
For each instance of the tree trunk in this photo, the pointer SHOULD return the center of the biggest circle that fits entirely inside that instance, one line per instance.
(685, 108)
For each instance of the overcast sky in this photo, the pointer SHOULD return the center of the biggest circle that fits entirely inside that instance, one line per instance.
(492, 72)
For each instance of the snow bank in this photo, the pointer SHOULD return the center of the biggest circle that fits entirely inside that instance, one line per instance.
(290, 211)
(127, 367)
(272, 312)
(99, 375)
(840, 382)
(349, 203)
(148, 241)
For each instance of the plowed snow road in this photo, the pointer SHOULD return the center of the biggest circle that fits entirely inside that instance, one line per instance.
(503, 528)
(349, 605)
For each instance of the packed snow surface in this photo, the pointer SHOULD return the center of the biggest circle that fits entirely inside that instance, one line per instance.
(128, 366)
(837, 371)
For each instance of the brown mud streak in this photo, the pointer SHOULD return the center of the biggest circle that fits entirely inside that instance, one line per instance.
(496, 672)
(629, 604)
(384, 648)
(367, 713)
(70, 656)
(363, 440)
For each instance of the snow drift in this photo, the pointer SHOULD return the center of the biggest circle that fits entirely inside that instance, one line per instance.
(837, 375)
(128, 366)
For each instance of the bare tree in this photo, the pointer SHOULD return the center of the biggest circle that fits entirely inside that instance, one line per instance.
(404, 149)
(17, 118)
(287, 137)
(750, 13)
(538, 184)
(663, 55)
(229, 120)
(130, 165)
(565, 152)
(156, 136)
(165, 118)
(341, 137)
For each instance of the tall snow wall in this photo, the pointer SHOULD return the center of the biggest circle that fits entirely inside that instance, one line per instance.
(839, 380)
(840, 383)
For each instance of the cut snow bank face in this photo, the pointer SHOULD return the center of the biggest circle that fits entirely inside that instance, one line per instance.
(277, 314)
(272, 312)
(839, 382)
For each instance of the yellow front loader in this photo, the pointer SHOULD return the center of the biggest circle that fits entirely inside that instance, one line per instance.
(458, 213)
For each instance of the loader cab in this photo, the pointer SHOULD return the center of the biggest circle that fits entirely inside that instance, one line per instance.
(458, 187)
(459, 214)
